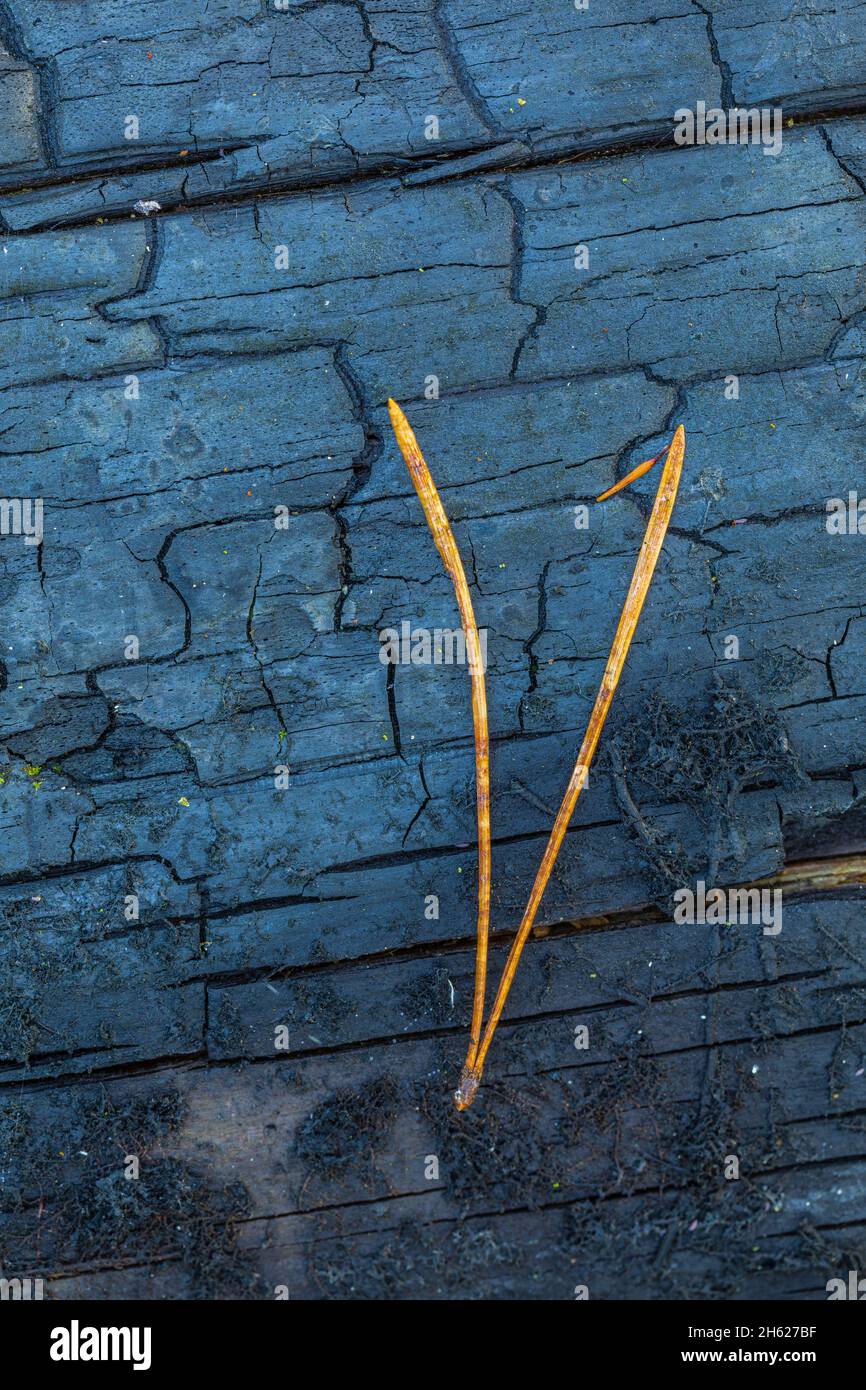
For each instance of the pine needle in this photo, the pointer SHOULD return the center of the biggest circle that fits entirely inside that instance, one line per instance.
(439, 525)
(632, 476)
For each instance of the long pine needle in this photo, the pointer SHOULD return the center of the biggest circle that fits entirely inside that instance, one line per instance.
(440, 527)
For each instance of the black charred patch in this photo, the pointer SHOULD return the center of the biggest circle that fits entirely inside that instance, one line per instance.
(88, 1210)
(500, 1149)
(413, 1261)
(429, 998)
(344, 1131)
(701, 755)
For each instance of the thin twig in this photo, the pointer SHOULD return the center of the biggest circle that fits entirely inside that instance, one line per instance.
(447, 547)
(646, 562)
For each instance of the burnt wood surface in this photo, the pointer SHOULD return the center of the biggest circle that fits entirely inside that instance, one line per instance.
(173, 383)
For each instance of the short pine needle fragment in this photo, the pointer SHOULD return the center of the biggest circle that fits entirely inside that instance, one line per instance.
(633, 476)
